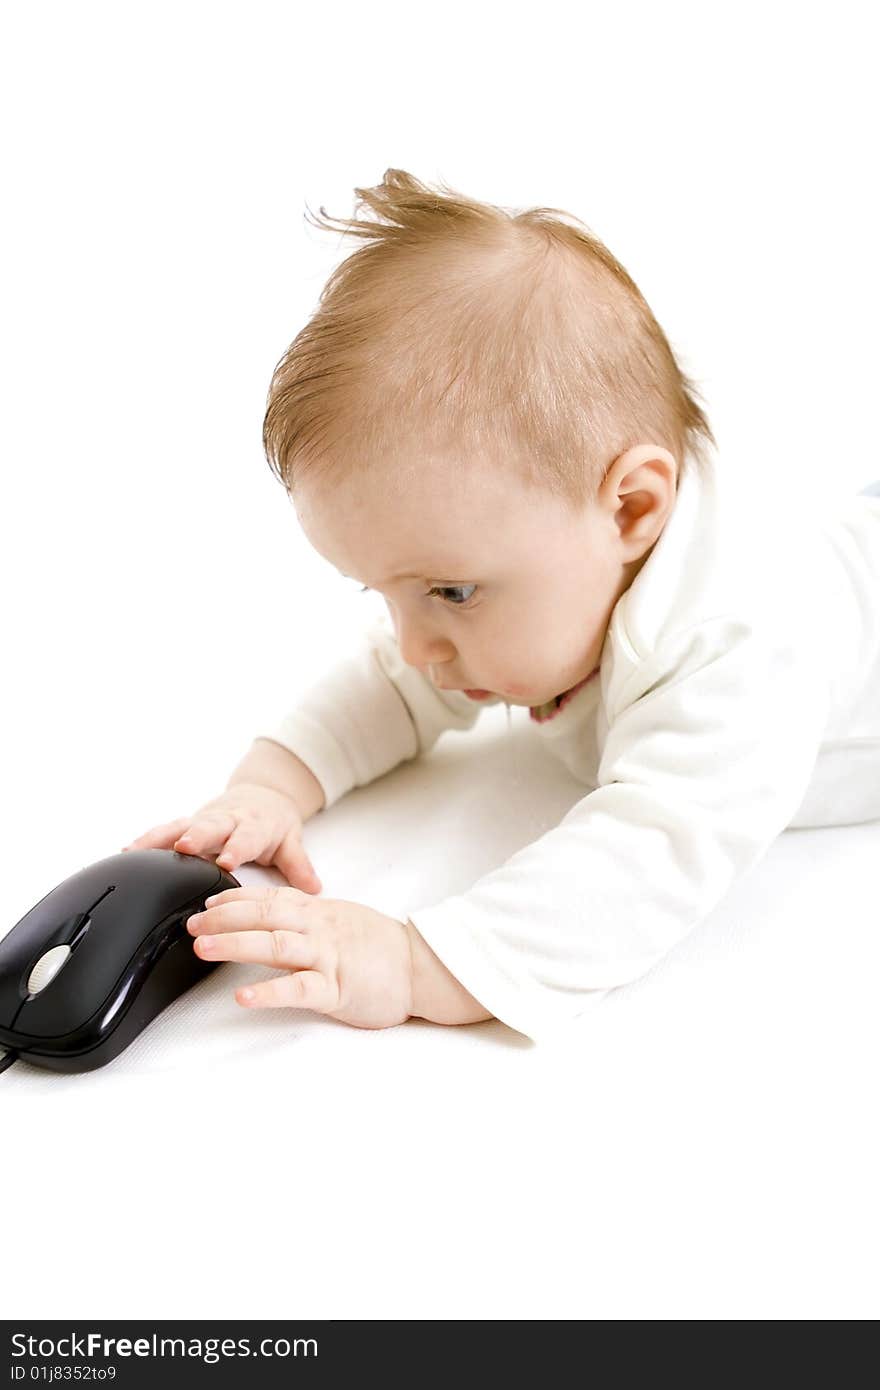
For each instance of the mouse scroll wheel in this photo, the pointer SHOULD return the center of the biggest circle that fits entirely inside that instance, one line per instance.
(47, 968)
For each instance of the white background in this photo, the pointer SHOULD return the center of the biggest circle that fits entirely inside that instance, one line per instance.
(160, 605)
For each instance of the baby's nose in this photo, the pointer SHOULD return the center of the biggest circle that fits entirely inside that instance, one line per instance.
(425, 653)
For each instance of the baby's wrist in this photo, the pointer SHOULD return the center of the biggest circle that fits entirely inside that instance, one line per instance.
(435, 993)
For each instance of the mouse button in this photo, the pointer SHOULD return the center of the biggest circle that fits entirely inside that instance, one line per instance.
(161, 881)
(176, 879)
(161, 866)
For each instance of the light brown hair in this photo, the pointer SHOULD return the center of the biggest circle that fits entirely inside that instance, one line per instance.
(514, 338)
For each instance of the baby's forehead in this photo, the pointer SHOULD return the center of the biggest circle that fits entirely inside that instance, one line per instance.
(402, 559)
(441, 519)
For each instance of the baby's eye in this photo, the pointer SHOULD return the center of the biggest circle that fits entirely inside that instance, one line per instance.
(449, 589)
(456, 589)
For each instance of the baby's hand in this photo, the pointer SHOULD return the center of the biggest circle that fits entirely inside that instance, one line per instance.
(343, 959)
(249, 823)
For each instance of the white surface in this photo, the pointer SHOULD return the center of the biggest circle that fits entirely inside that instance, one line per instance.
(703, 1144)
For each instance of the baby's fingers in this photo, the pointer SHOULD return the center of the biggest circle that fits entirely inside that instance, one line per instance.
(295, 864)
(161, 836)
(208, 833)
(244, 845)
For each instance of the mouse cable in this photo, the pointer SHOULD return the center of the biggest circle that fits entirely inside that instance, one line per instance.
(8, 1058)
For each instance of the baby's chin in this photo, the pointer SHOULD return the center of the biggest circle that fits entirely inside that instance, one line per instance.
(536, 701)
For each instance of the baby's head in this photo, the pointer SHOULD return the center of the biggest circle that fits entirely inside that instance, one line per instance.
(483, 421)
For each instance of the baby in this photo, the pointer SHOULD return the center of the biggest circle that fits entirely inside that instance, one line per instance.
(484, 422)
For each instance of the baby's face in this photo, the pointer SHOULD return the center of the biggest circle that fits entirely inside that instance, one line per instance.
(490, 585)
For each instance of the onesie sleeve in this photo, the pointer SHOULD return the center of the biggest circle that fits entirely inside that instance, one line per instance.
(367, 714)
(706, 760)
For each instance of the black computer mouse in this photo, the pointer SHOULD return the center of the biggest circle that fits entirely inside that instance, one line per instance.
(85, 971)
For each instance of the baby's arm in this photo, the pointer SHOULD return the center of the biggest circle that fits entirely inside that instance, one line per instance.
(270, 765)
